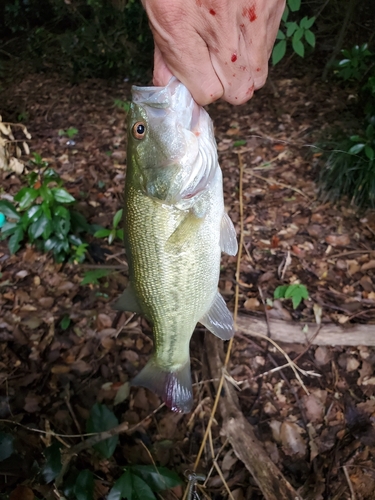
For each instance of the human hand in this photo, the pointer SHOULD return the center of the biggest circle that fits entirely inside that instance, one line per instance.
(216, 48)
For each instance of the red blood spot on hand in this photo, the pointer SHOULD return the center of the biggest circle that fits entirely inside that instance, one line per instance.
(250, 90)
(234, 74)
(199, 3)
(249, 12)
(242, 26)
(243, 68)
(258, 69)
(212, 12)
(234, 57)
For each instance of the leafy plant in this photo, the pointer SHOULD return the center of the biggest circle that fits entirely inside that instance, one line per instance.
(297, 32)
(140, 482)
(69, 132)
(102, 419)
(124, 105)
(113, 233)
(355, 63)
(41, 214)
(93, 276)
(296, 292)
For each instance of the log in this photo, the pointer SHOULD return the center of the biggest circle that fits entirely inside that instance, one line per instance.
(292, 333)
(241, 435)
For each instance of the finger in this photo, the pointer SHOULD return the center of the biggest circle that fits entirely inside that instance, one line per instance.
(162, 73)
(189, 60)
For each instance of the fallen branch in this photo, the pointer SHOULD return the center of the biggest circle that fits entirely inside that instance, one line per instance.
(292, 333)
(241, 436)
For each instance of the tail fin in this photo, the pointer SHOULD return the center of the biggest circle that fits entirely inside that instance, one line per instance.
(174, 388)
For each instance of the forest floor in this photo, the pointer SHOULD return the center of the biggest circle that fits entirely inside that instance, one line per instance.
(52, 373)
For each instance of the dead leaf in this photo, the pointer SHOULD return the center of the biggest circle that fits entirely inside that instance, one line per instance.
(22, 492)
(338, 240)
(252, 304)
(315, 405)
(292, 441)
(368, 265)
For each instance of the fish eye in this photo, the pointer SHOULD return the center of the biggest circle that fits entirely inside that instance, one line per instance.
(139, 130)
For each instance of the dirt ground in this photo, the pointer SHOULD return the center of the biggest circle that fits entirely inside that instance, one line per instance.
(319, 434)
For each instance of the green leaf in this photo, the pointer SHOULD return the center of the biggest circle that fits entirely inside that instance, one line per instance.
(298, 47)
(123, 487)
(9, 210)
(84, 487)
(294, 5)
(52, 467)
(117, 218)
(32, 214)
(62, 212)
(37, 228)
(356, 138)
(6, 446)
(61, 195)
(8, 229)
(15, 240)
(102, 233)
(298, 35)
(296, 300)
(310, 38)
(61, 227)
(120, 234)
(278, 52)
(279, 292)
(92, 277)
(79, 223)
(102, 419)
(239, 143)
(46, 193)
(280, 35)
(141, 490)
(309, 22)
(25, 197)
(112, 236)
(285, 14)
(65, 322)
(369, 152)
(357, 148)
(291, 27)
(50, 175)
(159, 479)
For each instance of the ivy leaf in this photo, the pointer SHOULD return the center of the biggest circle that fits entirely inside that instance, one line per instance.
(280, 35)
(141, 490)
(102, 419)
(53, 465)
(158, 478)
(84, 486)
(122, 488)
(6, 446)
(278, 52)
(291, 28)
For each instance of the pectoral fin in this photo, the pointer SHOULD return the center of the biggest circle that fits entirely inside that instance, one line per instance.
(228, 237)
(128, 302)
(219, 319)
(184, 231)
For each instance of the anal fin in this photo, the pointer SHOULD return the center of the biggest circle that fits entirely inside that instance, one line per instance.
(228, 237)
(219, 319)
(174, 387)
(128, 301)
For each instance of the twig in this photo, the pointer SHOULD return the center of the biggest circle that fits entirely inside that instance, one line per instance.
(352, 492)
(272, 181)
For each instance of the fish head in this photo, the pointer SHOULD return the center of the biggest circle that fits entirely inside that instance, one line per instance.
(171, 142)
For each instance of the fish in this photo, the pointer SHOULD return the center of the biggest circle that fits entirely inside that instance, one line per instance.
(175, 228)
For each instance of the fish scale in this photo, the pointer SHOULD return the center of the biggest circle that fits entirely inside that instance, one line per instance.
(175, 228)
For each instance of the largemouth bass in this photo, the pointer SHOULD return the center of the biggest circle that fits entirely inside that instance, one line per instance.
(175, 230)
